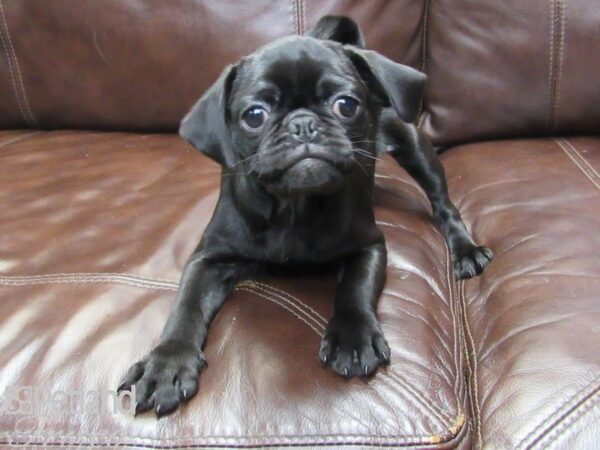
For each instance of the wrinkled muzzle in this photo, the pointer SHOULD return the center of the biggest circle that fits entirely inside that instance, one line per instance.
(303, 154)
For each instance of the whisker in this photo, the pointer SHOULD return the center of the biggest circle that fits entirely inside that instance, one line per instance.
(245, 159)
(363, 142)
(366, 154)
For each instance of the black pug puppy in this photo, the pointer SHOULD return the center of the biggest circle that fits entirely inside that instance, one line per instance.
(294, 127)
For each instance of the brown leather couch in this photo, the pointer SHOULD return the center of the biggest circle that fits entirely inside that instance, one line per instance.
(101, 203)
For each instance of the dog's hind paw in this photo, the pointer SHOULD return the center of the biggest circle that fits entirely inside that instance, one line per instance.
(165, 378)
(472, 262)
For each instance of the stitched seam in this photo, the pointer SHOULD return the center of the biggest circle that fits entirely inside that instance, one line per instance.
(18, 139)
(551, 65)
(451, 299)
(562, 5)
(318, 328)
(424, 37)
(580, 164)
(24, 278)
(83, 278)
(296, 19)
(283, 305)
(273, 289)
(570, 418)
(301, 16)
(417, 396)
(280, 440)
(558, 411)
(584, 161)
(473, 380)
(575, 160)
(32, 120)
(467, 359)
(424, 40)
(288, 440)
(12, 74)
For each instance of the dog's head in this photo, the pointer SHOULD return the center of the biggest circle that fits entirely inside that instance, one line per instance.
(300, 114)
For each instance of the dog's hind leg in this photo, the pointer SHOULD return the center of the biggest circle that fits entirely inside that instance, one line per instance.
(414, 153)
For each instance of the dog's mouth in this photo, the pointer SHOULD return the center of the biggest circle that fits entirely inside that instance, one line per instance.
(306, 169)
(308, 160)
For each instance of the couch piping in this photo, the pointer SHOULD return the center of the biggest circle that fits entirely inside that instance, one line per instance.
(15, 73)
(251, 441)
(467, 358)
(473, 380)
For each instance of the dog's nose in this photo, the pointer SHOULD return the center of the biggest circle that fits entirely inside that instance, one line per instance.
(303, 128)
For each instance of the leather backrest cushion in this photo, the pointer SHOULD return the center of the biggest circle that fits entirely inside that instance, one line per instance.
(511, 68)
(140, 65)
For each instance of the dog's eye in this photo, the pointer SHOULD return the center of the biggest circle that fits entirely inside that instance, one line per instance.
(345, 107)
(254, 118)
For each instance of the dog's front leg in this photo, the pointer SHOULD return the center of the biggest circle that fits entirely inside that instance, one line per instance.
(354, 344)
(414, 153)
(168, 375)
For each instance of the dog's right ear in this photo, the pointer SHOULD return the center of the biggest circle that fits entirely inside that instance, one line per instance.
(205, 125)
(340, 29)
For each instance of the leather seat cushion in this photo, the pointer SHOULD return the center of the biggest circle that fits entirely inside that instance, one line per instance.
(95, 230)
(532, 318)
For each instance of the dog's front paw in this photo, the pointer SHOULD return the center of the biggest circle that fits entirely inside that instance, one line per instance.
(354, 346)
(472, 261)
(165, 378)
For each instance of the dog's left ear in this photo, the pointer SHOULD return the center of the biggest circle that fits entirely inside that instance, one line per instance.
(205, 125)
(397, 85)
